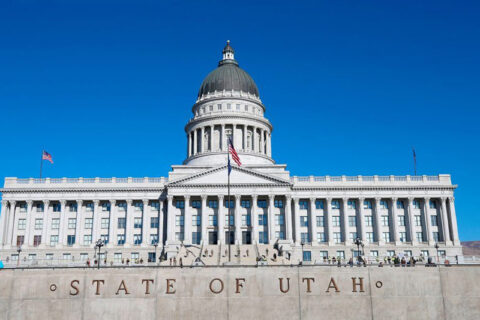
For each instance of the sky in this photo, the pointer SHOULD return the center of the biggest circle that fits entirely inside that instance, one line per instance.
(350, 87)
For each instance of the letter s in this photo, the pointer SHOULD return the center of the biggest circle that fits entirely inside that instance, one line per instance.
(73, 285)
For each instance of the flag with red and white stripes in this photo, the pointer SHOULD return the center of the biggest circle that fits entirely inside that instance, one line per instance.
(47, 156)
(234, 154)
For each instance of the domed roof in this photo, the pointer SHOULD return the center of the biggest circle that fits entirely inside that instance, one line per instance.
(228, 76)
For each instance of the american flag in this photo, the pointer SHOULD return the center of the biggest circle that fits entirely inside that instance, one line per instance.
(47, 156)
(234, 154)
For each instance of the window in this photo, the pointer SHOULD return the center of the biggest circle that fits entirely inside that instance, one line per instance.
(88, 223)
(196, 220)
(22, 224)
(55, 224)
(154, 222)
(105, 206)
(304, 221)
(263, 237)
(436, 236)
(262, 203)
(105, 223)
(304, 237)
(137, 222)
(153, 239)
(385, 221)
(32, 256)
(219, 106)
(262, 220)
(335, 204)
(137, 239)
(38, 224)
(155, 205)
(120, 239)
(367, 204)
(352, 204)
(336, 221)
(105, 238)
(320, 221)
(246, 108)
(321, 237)
(370, 238)
(229, 106)
(135, 256)
(245, 204)
(386, 236)
(433, 204)
(20, 240)
(53, 240)
(420, 236)
(196, 237)
(278, 203)
(37, 240)
(307, 256)
(416, 204)
(352, 221)
(401, 221)
(67, 256)
(179, 220)
(383, 204)
(390, 253)
(280, 235)
(368, 221)
(319, 204)
(418, 221)
(138, 206)
(373, 253)
(279, 220)
(212, 220)
(434, 220)
(89, 206)
(117, 257)
(57, 207)
(71, 239)
(213, 204)
(353, 236)
(403, 236)
(232, 220)
(303, 204)
(246, 220)
(341, 254)
(442, 253)
(229, 204)
(23, 207)
(400, 204)
(122, 206)
(39, 207)
(425, 253)
(211, 108)
(72, 223)
(180, 204)
(179, 236)
(122, 223)
(408, 253)
(87, 239)
(337, 237)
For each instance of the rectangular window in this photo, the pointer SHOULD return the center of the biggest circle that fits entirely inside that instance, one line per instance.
(416, 204)
(83, 256)
(117, 257)
(135, 256)
(246, 220)
(386, 236)
(304, 221)
(53, 240)
(122, 222)
(425, 253)
(367, 204)
(39, 207)
(32, 256)
(352, 204)
(341, 254)
(320, 221)
(337, 237)
(263, 237)
(232, 220)
(436, 236)
(179, 220)
(154, 222)
(280, 235)
(279, 219)
(72, 223)
(137, 222)
(122, 206)
(212, 220)
(179, 236)
(137, 239)
(245, 204)
(87, 239)
(321, 237)
(335, 204)
(105, 238)
(89, 206)
(20, 240)
(373, 253)
(408, 253)
(71, 239)
(105, 223)
(37, 240)
(213, 204)
(307, 256)
(262, 203)
(418, 221)
(38, 224)
(278, 203)
(180, 204)
(353, 236)
(196, 220)
(370, 238)
(304, 237)
(336, 221)
(138, 206)
(368, 221)
(88, 223)
(390, 253)
(319, 204)
(385, 221)
(229, 204)
(106, 206)
(303, 204)
(433, 204)
(400, 204)
(55, 224)
(153, 239)
(22, 224)
(155, 205)
(120, 239)
(262, 220)
(67, 256)
(352, 221)
(420, 236)
(383, 204)
(401, 221)
(57, 207)
(434, 220)
(23, 207)
(196, 237)
(403, 236)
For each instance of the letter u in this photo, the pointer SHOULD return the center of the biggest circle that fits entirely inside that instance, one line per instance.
(281, 285)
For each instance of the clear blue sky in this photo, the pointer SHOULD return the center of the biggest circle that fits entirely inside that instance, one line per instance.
(350, 86)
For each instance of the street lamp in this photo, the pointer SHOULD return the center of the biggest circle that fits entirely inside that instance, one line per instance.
(19, 250)
(359, 243)
(436, 247)
(99, 244)
(155, 244)
(302, 244)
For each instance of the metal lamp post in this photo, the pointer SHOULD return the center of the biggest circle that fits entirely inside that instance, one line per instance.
(359, 243)
(19, 250)
(99, 244)
(302, 243)
(436, 247)
(155, 244)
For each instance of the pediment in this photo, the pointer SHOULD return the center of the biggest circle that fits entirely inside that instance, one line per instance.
(238, 176)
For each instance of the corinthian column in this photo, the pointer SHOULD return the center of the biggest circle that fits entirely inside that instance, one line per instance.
(238, 220)
(145, 226)
(254, 217)
(428, 221)
(453, 217)
(220, 221)
(445, 225)
(11, 223)
(205, 220)
(29, 224)
(313, 222)
(296, 215)
(378, 223)
(288, 218)
(187, 231)
(328, 203)
(2, 222)
(396, 235)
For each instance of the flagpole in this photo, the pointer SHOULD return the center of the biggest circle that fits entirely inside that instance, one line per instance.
(41, 165)
(229, 205)
(414, 161)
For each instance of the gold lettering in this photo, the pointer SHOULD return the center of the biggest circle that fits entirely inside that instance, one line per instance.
(332, 285)
(170, 283)
(308, 283)
(238, 284)
(281, 285)
(221, 286)
(147, 285)
(97, 292)
(123, 287)
(72, 284)
(355, 284)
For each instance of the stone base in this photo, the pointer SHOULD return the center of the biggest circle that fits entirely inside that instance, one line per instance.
(172, 248)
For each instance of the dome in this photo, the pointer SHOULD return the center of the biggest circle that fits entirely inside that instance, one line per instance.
(228, 76)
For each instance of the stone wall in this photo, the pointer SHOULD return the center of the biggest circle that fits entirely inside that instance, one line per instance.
(309, 292)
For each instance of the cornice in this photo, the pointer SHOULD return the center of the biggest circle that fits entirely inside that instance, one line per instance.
(70, 190)
(194, 121)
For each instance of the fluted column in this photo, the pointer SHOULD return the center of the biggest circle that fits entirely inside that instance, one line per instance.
(328, 208)
(205, 220)
(262, 141)
(62, 238)
(411, 221)
(394, 230)
(79, 224)
(254, 218)
(195, 142)
(233, 135)
(187, 231)
(2, 222)
(129, 220)
(29, 225)
(378, 224)
(145, 224)
(189, 140)
(313, 221)
(271, 220)
(221, 220)
(161, 217)
(46, 205)
(11, 222)
(238, 220)
(361, 221)
(288, 218)
(296, 220)
(269, 144)
(170, 220)
(445, 225)
(346, 227)
(96, 221)
(428, 220)
(244, 145)
(223, 139)
(453, 217)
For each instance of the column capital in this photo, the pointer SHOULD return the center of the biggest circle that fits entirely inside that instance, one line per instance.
(444, 199)
(204, 197)
(312, 199)
(394, 199)
(129, 201)
(361, 199)
(410, 199)
(427, 199)
(220, 197)
(96, 202)
(288, 197)
(113, 202)
(296, 199)
(187, 198)
(29, 203)
(63, 202)
(451, 199)
(328, 200)
(12, 203)
(79, 202)
(345, 199)
(377, 200)
(4, 203)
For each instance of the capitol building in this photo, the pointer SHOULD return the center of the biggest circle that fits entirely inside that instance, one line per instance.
(270, 213)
